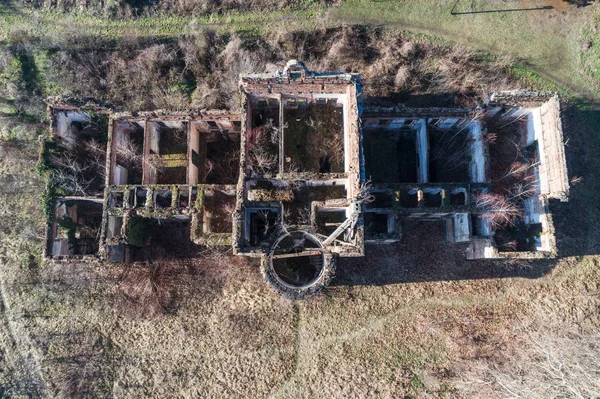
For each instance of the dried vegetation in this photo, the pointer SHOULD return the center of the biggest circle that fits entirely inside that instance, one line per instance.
(202, 70)
(141, 8)
(415, 320)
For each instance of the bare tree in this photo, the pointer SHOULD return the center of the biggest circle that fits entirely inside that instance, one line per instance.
(519, 169)
(129, 152)
(69, 174)
(549, 364)
(157, 163)
(209, 166)
(364, 194)
(97, 156)
(523, 189)
(499, 210)
(268, 224)
(228, 208)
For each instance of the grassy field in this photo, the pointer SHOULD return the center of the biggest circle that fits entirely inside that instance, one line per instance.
(413, 320)
(547, 41)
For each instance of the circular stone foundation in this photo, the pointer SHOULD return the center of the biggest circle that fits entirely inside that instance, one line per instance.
(297, 265)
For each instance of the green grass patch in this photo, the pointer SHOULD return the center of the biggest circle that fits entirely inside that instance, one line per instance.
(535, 81)
(42, 61)
(590, 53)
(70, 228)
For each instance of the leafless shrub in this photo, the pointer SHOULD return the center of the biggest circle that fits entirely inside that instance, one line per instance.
(459, 70)
(452, 149)
(274, 131)
(94, 147)
(150, 76)
(143, 289)
(304, 215)
(292, 167)
(146, 71)
(550, 364)
(408, 49)
(176, 135)
(517, 170)
(228, 208)
(286, 215)
(168, 97)
(80, 377)
(262, 162)
(196, 48)
(237, 60)
(207, 94)
(402, 77)
(499, 211)
(157, 163)
(338, 52)
(96, 153)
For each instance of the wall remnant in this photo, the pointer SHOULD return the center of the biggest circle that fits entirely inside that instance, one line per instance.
(304, 174)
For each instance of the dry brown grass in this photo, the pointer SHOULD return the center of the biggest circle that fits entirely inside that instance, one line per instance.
(134, 8)
(203, 70)
(411, 320)
(552, 347)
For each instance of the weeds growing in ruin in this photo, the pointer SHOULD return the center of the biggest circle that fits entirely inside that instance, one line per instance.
(513, 177)
(262, 145)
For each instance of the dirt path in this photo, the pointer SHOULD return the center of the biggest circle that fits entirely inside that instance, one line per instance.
(22, 365)
(546, 41)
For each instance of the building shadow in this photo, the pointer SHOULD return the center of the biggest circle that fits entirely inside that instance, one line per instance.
(577, 222)
(579, 3)
(423, 253)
